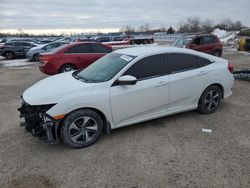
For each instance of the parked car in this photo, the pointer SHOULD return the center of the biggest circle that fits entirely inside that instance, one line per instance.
(14, 49)
(73, 56)
(23, 40)
(207, 43)
(85, 40)
(125, 87)
(33, 53)
(101, 38)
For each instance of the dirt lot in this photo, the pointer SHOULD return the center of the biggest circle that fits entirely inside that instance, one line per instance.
(167, 152)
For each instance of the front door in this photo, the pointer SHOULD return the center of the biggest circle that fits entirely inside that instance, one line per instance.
(147, 98)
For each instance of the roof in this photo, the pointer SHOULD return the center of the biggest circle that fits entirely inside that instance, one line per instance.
(150, 50)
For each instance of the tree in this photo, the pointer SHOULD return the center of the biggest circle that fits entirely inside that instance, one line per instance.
(129, 30)
(207, 26)
(192, 24)
(171, 30)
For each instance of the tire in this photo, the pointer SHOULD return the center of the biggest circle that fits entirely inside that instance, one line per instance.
(132, 42)
(217, 53)
(81, 128)
(210, 100)
(35, 57)
(9, 55)
(67, 68)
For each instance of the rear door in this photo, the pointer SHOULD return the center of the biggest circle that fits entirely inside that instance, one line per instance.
(25, 47)
(18, 48)
(80, 55)
(187, 80)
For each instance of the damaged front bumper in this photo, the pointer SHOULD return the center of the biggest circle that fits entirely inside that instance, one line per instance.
(38, 123)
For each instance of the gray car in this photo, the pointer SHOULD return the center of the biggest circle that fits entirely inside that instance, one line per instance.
(33, 53)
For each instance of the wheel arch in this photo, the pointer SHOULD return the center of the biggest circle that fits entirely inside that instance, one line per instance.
(65, 65)
(7, 52)
(106, 123)
(214, 84)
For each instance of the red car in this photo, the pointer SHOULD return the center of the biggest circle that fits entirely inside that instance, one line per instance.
(72, 56)
(206, 43)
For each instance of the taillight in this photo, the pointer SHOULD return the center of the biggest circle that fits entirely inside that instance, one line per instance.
(45, 59)
(230, 67)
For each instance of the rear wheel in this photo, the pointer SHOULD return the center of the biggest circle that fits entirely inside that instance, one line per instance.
(67, 68)
(9, 55)
(210, 100)
(81, 128)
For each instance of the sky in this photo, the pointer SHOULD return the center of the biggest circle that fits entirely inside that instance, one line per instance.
(111, 15)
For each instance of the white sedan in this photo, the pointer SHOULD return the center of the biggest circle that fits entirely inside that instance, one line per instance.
(123, 88)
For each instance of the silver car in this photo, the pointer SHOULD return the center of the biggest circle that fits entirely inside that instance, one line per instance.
(33, 53)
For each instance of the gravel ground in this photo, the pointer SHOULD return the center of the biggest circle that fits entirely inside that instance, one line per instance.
(167, 152)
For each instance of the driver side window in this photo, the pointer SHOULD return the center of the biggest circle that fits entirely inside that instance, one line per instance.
(148, 67)
(197, 41)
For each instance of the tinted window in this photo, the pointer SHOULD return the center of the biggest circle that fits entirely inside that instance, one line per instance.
(197, 41)
(23, 44)
(207, 40)
(204, 62)
(82, 48)
(9, 44)
(148, 67)
(181, 62)
(100, 49)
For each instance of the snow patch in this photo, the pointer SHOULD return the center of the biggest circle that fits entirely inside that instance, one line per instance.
(15, 63)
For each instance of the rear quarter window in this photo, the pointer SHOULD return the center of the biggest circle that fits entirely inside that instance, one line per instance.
(204, 62)
(96, 48)
(78, 49)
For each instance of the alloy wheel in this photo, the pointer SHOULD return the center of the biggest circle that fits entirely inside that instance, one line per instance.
(82, 130)
(212, 100)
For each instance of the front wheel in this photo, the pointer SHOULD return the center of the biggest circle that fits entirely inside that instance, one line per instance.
(81, 128)
(210, 100)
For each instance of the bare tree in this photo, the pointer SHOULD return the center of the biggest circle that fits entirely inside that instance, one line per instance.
(129, 30)
(207, 26)
(192, 24)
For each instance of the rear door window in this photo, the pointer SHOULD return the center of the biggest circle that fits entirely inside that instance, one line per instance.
(178, 62)
(79, 49)
(96, 48)
(148, 67)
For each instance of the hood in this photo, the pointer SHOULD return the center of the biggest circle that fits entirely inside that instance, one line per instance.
(54, 89)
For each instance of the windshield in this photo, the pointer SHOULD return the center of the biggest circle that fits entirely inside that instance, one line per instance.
(105, 68)
(181, 42)
(186, 40)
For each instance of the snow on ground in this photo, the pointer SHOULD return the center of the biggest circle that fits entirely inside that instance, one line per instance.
(15, 63)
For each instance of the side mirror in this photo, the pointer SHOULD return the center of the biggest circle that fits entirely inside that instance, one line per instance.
(193, 45)
(127, 80)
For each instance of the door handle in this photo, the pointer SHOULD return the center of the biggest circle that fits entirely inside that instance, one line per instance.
(202, 73)
(161, 84)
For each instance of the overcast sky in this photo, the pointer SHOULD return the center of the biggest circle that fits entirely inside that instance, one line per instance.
(99, 14)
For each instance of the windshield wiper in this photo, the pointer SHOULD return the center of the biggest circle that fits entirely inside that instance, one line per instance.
(81, 78)
(75, 75)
